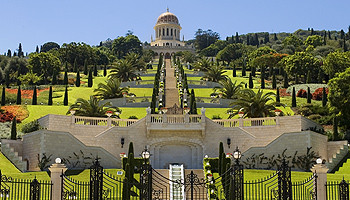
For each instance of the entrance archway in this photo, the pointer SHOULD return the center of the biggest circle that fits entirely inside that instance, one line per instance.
(167, 56)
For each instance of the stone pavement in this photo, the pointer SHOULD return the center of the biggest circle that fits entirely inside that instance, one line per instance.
(171, 92)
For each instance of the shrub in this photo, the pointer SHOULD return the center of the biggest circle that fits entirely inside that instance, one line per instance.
(317, 95)
(6, 117)
(302, 93)
(216, 117)
(133, 117)
(31, 127)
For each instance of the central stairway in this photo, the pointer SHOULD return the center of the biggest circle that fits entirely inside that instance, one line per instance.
(176, 173)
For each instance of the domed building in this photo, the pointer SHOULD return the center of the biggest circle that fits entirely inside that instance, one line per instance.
(167, 36)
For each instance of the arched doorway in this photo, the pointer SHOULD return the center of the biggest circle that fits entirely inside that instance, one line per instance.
(167, 56)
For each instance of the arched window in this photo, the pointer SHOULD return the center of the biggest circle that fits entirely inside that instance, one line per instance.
(167, 32)
(167, 44)
(163, 32)
(160, 33)
(171, 32)
(175, 32)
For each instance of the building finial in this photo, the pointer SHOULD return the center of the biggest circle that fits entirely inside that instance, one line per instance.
(167, 9)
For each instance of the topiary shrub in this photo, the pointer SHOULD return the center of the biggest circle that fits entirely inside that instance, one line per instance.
(302, 93)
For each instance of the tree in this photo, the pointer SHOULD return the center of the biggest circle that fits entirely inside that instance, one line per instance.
(90, 81)
(37, 49)
(262, 78)
(95, 70)
(244, 73)
(65, 100)
(54, 78)
(105, 70)
(85, 67)
(77, 52)
(292, 40)
(231, 52)
(44, 64)
(193, 103)
(335, 129)
(278, 100)
(216, 73)
(34, 99)
(251, 84)
(314, 40)
(20, 51)
(308, 77)
(274, 85)
(324, 97)
(48, 46)
(339, 96)
(123, 70)
(336, 62)
(234, 72)
(110, 89)
(124, 45)
(285, 80)
(18, 101)
(254, 104)
(203, 64)
(221, 157)
(204, 39)
(92, 107)
(50, 97)
(65, 79)
(309, 95)
(131, 148)
(230, 90)
(77, 81)
(14, 129)
(3, 97)
(294, 99)
(9, 54)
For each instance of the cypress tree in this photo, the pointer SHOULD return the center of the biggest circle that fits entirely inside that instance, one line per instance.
(193, 103)
(131, 148)
(77, 81)
(105, 70)
(75, 65)
(65, 79)
(20, 51)
(244, 70)
(37, 49)
(85, 67)
(285, 80)
(14, 129)
(3, 97)
(65, 100)
(253, 71)
(324, 97)
(251, 84)
(237, 38)
(335, 129)
(274, 84)
(320, 76)
(308, 78)
(19, 96)
(262, 78)
(9, 53)
(90, 83)
(34, 99)
(234, 73)
(294, 100)
(50, 97)
(345, 47)
(54, 78)
(278, 100)
(95, 70)
(308, 95)
(221, 152)
(275, 37)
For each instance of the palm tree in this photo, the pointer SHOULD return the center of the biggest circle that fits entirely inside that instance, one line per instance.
(203, 64)
(215, 73)
(230, 90)
(123, 70)
(111, 89)
(92, 107)
(254, 104)
(135, 60)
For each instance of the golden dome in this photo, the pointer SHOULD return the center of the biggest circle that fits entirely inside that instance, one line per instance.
(168, 18)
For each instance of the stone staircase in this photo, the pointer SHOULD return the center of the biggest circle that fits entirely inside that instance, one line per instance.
(336, 158)
(176, 173)
(16, 159)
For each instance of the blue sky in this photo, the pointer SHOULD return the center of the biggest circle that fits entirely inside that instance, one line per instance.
(34, 22)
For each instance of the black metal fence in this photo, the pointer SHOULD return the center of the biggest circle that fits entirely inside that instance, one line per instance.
(15, 189)
(337, 190)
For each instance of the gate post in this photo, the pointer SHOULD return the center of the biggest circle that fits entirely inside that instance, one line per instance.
(146, 181)
(35, 190)
(284, 182)
(57, 169)
(96, 181)
(237, 184)
(321, 171)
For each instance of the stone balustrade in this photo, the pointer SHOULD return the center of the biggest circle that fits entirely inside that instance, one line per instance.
(175, 119)
(266, 121)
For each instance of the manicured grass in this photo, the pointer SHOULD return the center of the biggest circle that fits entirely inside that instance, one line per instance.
(128, 111)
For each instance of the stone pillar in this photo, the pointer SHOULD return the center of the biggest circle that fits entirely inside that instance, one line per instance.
(203, 114)
(277, 120)
(57, 169)
(241, 122)
(72, 120)
(109, 122)
(321, 170)
(148, 116)
(187, 118)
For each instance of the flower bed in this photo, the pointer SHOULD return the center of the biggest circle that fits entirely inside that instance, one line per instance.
(16, 110)
(27, 94)
(283, 92)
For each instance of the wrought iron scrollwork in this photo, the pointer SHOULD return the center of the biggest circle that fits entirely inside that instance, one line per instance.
(344, 190)
(35, 190)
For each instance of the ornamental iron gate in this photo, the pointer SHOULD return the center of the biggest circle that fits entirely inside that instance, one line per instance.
(14, 189)
(337, 190)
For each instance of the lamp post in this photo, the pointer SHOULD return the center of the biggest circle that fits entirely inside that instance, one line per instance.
(146, 176)
(237, 176)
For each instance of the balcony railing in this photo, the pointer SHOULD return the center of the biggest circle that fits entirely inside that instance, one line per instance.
(268, 121)
(95, 121)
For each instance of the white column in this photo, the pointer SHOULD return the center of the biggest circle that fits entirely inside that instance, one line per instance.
(57, 170)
